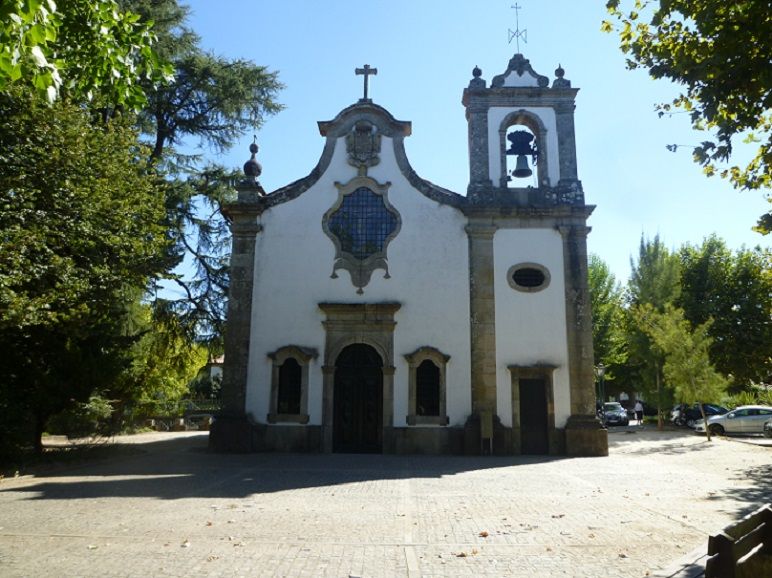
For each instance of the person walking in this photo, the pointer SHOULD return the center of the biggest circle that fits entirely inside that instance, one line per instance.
(638, 411)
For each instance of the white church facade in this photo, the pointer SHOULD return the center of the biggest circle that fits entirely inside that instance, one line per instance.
(373, 311)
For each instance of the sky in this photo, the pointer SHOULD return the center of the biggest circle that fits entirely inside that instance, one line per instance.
(425, 51)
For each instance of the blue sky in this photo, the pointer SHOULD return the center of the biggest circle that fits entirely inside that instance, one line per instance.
(425, 51)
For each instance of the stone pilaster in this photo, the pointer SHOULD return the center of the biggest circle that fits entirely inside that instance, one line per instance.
(482, 311)
(564, 113)
(584, 434)
(479, 172)
(232, 431)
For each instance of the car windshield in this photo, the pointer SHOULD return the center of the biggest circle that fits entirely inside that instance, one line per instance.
(612, 407)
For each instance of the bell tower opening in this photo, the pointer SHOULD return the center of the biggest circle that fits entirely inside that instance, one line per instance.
(522, 154)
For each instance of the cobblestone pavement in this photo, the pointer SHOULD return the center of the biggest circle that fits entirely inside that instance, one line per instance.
(173, 509)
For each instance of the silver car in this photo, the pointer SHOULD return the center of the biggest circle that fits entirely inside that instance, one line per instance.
(744, 419)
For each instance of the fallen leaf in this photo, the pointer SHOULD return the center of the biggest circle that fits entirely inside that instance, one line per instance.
(211, 558)
(592, 535)
(461, 555)
(475, 552)
(92, 547)
(483, 534)
(185, 544)
(209, 523)
(558, 515)
(622, 555)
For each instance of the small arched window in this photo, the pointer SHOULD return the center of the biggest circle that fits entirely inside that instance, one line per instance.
(427, 387)
(290, 386)
(427, 381)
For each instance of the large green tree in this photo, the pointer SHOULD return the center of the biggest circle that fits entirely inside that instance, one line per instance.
(608, 314)
(718, 52)
(654, 282)
(687, 369)
(82, 230)
(733, 289)
(80, 49)
(212, 101)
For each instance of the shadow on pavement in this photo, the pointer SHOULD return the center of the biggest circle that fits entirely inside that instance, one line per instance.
(183, 467)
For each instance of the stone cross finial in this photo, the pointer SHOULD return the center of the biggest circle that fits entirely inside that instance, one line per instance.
(366, 71)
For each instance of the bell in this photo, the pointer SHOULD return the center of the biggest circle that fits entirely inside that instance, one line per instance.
(521, 168)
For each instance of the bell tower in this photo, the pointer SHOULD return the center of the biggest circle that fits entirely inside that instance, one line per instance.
(524, 196)
(521, 136)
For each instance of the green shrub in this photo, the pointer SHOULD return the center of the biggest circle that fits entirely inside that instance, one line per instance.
(84, 419)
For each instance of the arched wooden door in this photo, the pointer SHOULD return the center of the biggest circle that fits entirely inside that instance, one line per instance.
(358, 400)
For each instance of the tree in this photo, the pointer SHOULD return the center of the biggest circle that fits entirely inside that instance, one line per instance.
(608, 314)
(655, 281)
(719, 52)
(687, 367)
(82, 49)
(214, 100)
(733, 289)
(81, 232)
(162, 364)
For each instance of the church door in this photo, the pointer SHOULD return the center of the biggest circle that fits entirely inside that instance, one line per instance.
(358, 400)
(533, 416)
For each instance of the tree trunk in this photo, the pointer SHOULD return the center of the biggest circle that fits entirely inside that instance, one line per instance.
(660, 421)
(705, 420)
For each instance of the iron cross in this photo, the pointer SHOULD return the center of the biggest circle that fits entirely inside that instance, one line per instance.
(517, 34)
(366, 71)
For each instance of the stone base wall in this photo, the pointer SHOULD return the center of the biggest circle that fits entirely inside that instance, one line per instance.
(581, 437)
(585, 436)
(231, 434)
(426, 440)
(287, 438)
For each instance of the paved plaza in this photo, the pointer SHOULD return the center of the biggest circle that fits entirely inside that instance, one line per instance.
(171, 508)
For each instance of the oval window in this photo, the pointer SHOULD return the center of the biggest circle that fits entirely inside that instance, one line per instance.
(528, 277)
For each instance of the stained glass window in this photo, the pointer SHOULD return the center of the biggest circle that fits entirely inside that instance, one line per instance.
(362, 223)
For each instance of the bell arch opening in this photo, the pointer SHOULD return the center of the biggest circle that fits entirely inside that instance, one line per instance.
(523, 149)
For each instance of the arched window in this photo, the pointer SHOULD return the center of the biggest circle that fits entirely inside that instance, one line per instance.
(427, 387)
(427, 382)
(288, 396)
(289, 384)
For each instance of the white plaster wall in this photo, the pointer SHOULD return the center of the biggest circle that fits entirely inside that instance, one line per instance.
(530, 327)
(428, 265)
(515, 79)
(496, 116)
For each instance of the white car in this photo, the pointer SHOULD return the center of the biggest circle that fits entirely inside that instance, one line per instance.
(744, 419)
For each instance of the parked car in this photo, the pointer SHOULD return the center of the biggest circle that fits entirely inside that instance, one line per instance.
(744, 419)
(614, 414)
(693, 414)
(689, 416)
(768, 428)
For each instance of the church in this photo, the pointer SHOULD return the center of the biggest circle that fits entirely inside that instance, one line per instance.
(371, 311)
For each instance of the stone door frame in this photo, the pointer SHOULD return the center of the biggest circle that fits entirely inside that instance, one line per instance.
(346, 324)
(544, 372)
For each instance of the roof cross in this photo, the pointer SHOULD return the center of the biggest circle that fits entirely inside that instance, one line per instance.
(366, 71)
(517, 34)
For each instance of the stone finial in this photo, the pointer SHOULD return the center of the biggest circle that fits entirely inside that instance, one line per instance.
(559, 81)
(477, 82)
(252, 168)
